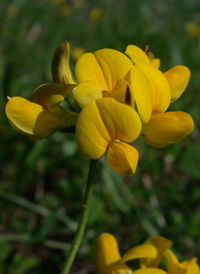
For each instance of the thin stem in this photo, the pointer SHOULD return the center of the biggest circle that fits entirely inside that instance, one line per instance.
(84, 218)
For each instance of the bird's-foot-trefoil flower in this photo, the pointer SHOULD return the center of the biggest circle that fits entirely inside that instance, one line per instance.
(163, 128)
(105, 73)
(42, 115)
(136, 82)
(150, 254)
(132, 81)
(108, 125)
(101, 74)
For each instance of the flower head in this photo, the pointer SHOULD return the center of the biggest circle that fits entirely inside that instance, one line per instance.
(119, 96)
(109, 261)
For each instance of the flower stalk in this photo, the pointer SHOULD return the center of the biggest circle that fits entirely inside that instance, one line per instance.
(84, 218)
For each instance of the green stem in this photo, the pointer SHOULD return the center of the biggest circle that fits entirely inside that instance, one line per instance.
(84, 218)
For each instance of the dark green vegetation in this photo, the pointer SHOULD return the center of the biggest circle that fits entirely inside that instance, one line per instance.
(42, 183)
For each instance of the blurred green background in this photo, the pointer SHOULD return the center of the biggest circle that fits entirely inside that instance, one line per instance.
(42, 183)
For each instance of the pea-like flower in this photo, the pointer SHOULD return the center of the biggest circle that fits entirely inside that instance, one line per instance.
(104, 74)
(42, 115)
(136, 82)
(109, 261)
(106, 124)
(163, 128)
(120, 98)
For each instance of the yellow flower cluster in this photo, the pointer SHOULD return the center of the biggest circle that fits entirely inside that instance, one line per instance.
(150, 254)
(114, 98)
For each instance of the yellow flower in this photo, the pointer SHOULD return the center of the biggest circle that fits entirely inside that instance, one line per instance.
(192, 28)
(105, 124)
(163, 128)
(171, 263)
(65, 10)
(173, 266)
(109, 261)
(95, 14)
(138, 83)
(42, 115)
(108, 73)
(98, 73)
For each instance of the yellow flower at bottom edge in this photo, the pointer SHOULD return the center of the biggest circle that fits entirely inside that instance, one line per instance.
(170, 261)
(173, 266)
(109, 261)
(105, 124)
(42, 115)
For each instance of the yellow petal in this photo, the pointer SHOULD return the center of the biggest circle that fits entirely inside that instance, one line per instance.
(122, 158)
(149, 271)
(103, 67)
(188, 263)
(141, 251)
(32, 119)
(50, 95)
(160, 91)
(60, 65)
(106, 253)
(193, 269)
(178, 78)
(88, 69)
(174, 267)
(141, 92)
(161, 244)
(102, 121)
(122, 92)
(155, 62)
(122, 122)
(171, 263)
(167, 128)
(88, 91)
(91, 134)
(137, 55)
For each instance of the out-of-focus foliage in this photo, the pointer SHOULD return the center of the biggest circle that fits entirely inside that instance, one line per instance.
(43, 181)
